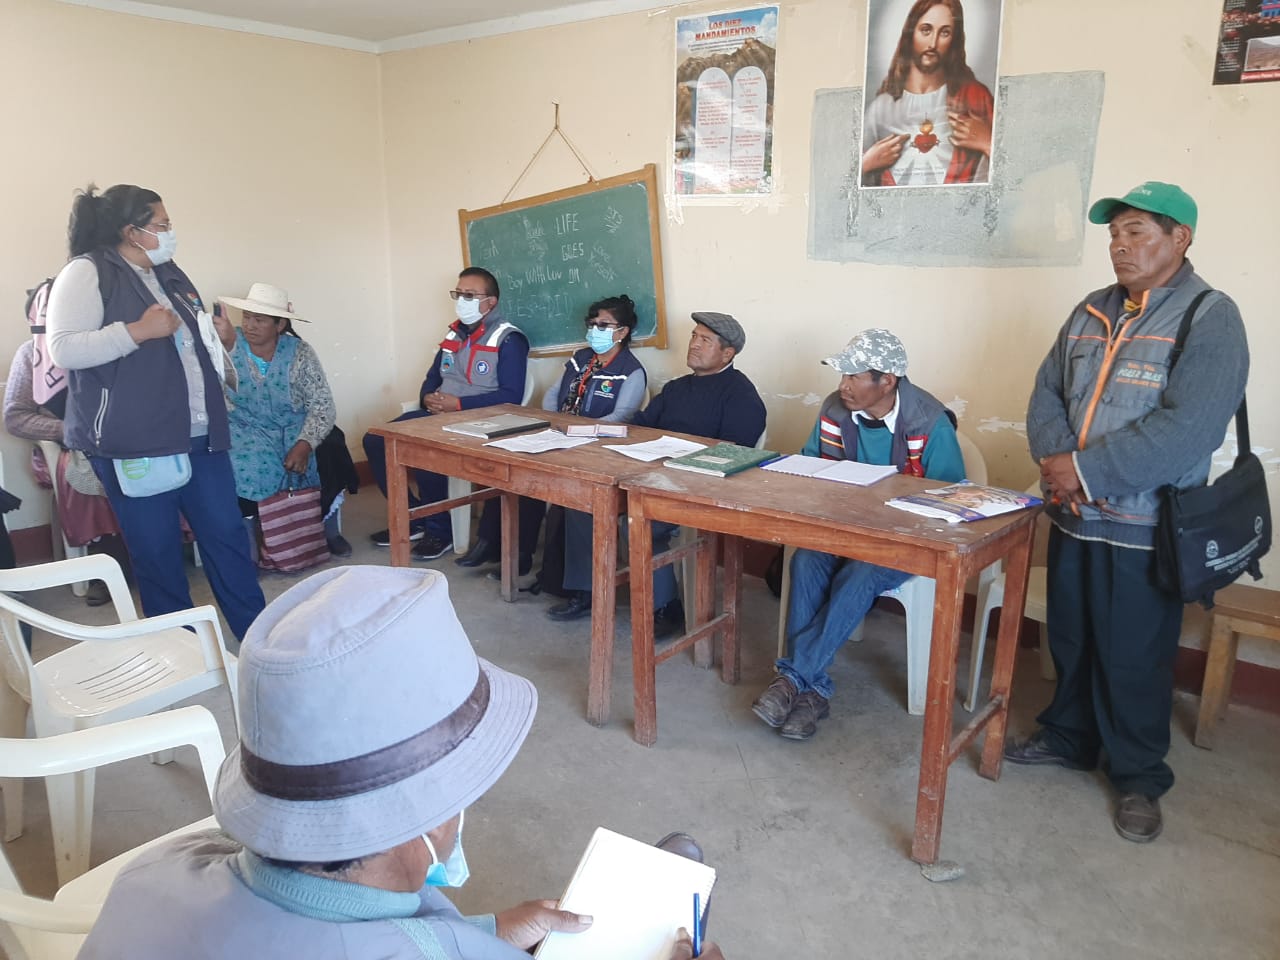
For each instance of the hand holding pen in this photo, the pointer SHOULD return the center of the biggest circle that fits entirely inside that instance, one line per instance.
(683, 949)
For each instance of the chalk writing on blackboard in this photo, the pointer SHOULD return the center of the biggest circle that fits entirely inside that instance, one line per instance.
(556, 253)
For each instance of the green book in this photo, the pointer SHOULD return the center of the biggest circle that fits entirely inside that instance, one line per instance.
(722, 460)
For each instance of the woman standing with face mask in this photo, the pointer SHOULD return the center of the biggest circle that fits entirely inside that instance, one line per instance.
(144, 400)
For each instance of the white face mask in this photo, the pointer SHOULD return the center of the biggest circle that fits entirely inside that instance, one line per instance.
(453, 872)
(168, 244)
(468, 311)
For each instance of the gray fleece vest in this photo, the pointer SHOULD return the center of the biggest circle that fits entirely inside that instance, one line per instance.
(469, 363)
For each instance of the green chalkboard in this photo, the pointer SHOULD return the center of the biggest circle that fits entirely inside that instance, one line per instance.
(557, 253)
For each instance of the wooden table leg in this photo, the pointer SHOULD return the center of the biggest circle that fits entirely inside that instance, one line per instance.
(640, 534)
(1217, 680)
(397, 504)
(1016, 567)
(510, 544)
(936, 749)
(604, 571)
(704, 601)
(730, 657)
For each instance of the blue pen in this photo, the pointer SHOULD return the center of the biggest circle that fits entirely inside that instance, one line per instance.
(697, 925)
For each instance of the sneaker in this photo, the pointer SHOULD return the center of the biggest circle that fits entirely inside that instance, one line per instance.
(431, 547)
(668, 621)
(774, 705)
(802, 722)
(383, 537)
(1138, 818)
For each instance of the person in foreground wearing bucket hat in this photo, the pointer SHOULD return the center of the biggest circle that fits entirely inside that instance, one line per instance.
(716, 400)
(364, 737)
(877, 416)
(1112, 422)
(281, 408)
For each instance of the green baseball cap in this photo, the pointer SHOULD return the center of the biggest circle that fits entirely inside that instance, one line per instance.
(1152, 196)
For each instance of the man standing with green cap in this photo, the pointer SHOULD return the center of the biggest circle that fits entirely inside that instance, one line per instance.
(1112, 422)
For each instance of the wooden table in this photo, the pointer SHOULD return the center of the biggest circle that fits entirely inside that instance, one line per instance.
(582, 478)
(851, 522)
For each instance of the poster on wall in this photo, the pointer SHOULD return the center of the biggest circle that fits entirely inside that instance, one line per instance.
(724, 103)
(1248, 42)
(929, 110)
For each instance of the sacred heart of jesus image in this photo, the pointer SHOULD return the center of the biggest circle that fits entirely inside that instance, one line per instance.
(926, 139)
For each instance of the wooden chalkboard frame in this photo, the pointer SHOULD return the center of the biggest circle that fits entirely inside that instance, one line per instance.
(648, 176)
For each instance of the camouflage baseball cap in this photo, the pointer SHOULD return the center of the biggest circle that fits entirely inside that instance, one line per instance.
(873, 349)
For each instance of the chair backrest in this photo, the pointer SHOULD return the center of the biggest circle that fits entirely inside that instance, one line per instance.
(763, 434)
(31, 927)
(975, 467)
(530, 385)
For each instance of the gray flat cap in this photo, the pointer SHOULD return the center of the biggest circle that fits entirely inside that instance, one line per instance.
(873, 349)
(729, 329)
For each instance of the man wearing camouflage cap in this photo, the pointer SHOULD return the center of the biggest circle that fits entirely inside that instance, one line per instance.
(877, 416)
(1112, 423)
(716, 400)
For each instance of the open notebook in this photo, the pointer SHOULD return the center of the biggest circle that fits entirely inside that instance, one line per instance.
(638, 895)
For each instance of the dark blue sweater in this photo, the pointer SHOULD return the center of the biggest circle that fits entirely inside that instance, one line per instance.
(722, 405)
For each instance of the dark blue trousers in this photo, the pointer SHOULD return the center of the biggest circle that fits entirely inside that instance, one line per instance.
(1113, 635)
(431, 486)
(153, 534)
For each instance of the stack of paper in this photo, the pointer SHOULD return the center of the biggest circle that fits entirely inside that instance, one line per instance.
(539, 442)
(664, 446)
(841, 471)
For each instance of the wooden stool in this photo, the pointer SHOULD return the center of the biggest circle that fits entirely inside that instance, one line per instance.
(1237, 610)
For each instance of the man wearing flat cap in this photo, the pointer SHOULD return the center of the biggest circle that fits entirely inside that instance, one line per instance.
(877, 416)
(1113, 421)
(716, 400)
(368, 726)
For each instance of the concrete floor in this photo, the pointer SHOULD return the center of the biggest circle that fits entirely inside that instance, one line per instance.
(810, 839)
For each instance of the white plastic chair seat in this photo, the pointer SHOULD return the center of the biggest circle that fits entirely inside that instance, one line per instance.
(1036, 608)
(61, 548)
(134, 676)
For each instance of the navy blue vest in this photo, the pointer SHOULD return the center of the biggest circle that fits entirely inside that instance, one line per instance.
(602, 388)
(136, 406)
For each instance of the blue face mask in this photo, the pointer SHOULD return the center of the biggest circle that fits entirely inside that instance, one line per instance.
(454, 872)
(601, 341)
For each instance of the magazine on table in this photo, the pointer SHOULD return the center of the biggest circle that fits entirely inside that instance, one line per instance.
(965, 502)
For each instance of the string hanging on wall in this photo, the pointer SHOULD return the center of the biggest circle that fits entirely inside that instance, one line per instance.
(591, 177)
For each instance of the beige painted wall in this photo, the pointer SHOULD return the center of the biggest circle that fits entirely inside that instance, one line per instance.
(463, 120)
(268, 154)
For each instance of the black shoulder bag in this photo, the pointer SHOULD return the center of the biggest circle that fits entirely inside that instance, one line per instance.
(1207, 536)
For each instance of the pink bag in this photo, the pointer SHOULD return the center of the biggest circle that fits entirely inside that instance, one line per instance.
(292, 531)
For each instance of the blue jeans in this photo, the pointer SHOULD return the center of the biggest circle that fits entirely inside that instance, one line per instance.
(578, 546)
(829, 598)
(153, 534)
(431, 486)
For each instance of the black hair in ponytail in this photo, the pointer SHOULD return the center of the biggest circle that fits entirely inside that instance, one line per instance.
(98, 218)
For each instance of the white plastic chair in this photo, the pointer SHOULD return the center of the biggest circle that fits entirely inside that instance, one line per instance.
(916, 596)
(460, 517)
(33, 928)
(61, 548)
(124, 670)
(991, 596)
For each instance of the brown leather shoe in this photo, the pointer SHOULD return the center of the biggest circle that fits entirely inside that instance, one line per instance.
(810, 707)
(1138, 818)
(774, 705)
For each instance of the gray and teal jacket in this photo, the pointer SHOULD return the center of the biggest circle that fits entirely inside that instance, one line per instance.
(920, 415)
(1106, 395)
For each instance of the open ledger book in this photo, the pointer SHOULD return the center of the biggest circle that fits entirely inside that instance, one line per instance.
(842, 471)
(638, 897)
